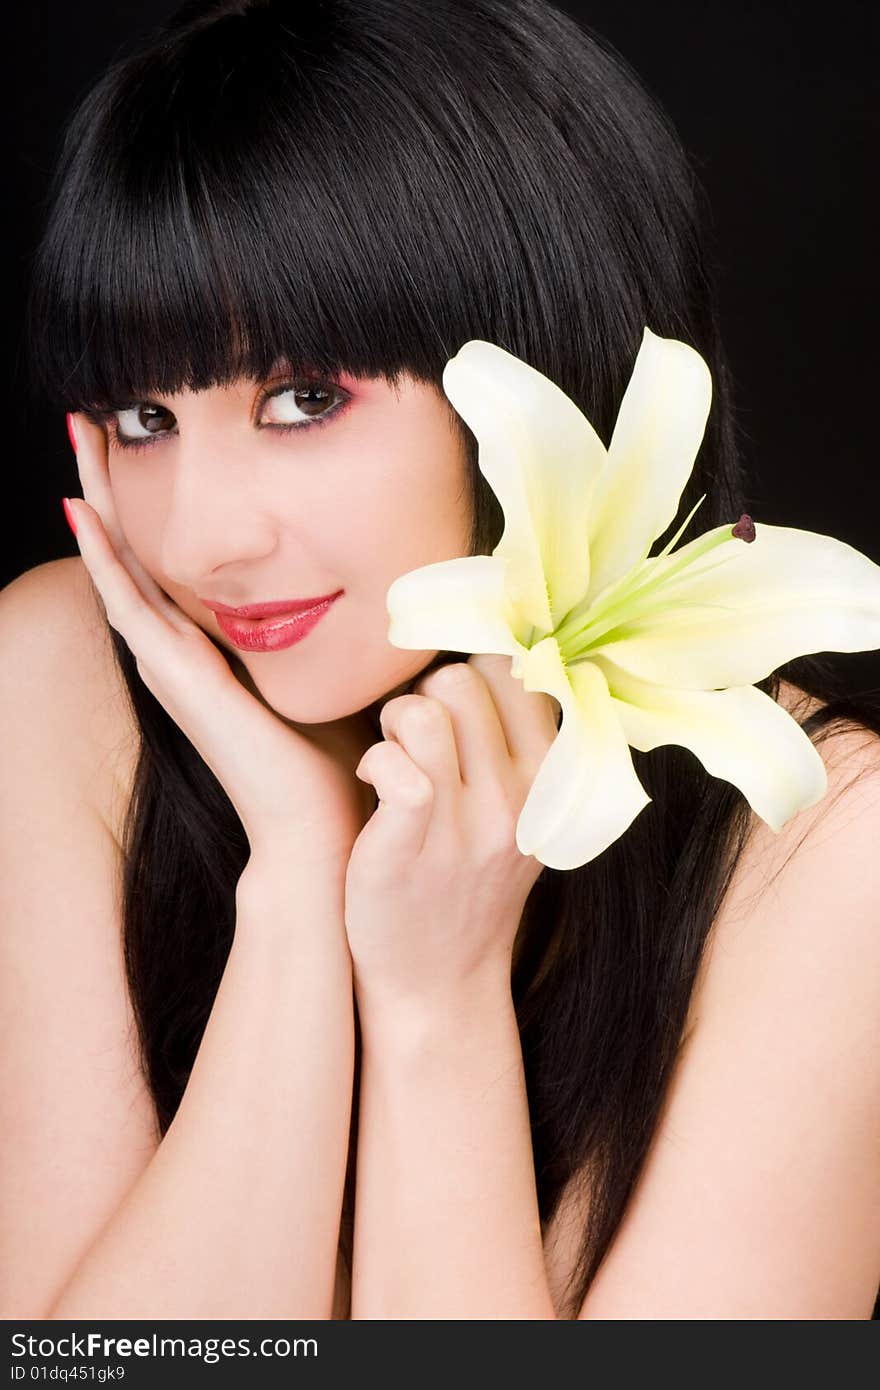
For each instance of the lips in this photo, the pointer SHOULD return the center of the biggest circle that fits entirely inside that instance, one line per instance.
(271, 609)
(276, 631)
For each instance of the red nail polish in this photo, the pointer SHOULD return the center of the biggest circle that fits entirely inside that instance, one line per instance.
(71, 431)
(69, 514)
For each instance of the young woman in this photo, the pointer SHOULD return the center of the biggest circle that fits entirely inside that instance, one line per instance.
(643, 1088)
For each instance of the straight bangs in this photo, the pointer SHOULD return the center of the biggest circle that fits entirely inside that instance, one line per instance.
(351, 189)
(220, 211)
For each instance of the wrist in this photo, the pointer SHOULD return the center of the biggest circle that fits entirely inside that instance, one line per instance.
(430, 1019)
(283, 900)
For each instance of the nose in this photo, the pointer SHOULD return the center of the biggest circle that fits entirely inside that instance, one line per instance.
(218, 517)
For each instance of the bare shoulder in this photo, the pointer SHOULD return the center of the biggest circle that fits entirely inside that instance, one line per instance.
(842, 827)
(759, 1196)
(57, 649)
(819, 875)
(72, 1091)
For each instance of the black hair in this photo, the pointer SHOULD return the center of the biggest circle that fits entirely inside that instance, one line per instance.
(363, 186)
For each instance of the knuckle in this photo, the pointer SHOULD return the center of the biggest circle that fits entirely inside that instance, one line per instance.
(418, 791)
(499, 852)
(411, 712)
(147, 675)
(424, 713)
(178, 660)
(117, 617)
(192, 643)
(454, 676)
(499, 835)
(392, 709)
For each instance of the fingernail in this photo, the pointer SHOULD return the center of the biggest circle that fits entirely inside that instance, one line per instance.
(68, 511)
(71, 431)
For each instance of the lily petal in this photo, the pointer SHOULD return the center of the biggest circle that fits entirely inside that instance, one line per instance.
(542, 458)
(586, 792)
(756, 605)
(657, 435)
(740, 735)
(458, 605)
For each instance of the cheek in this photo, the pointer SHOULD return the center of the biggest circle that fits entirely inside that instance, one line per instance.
(142, 511)
(140, 507)
(414, 510)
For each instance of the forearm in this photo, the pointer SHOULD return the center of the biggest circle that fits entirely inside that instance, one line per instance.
(446, 1218)
(237, 1213)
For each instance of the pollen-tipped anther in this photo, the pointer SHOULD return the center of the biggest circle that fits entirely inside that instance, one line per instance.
(744, 530)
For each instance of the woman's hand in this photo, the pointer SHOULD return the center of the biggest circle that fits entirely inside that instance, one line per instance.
(294, 799)
(436, 886)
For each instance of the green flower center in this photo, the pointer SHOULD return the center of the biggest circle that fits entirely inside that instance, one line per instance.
(640, 593)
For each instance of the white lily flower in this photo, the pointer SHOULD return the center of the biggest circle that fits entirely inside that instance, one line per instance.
(638, 651)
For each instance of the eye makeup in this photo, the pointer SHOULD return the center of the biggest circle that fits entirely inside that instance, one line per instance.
(109, 417)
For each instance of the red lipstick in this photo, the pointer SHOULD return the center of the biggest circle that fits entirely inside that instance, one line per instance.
(270, 627)
(268, 610)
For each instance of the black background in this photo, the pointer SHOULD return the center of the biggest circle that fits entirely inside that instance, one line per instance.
(774, 103)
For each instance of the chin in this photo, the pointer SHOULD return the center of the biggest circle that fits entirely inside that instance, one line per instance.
(312, 703)
(315, 702)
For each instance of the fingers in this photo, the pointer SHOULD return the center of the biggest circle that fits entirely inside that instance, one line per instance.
(415, 773)
(94, 475)
(127, 609)
(529, 718)
(464, 725)
(482, 749)
(406, 802)
(235, 735)
(497, 722)
(422, 727)
(494, 730)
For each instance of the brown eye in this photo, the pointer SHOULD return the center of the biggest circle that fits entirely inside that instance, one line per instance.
(299, 403)
(142, 421)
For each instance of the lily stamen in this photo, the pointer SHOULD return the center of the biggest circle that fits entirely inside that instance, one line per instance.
(630, 595)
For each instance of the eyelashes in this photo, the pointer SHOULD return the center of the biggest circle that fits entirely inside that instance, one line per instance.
(109, 417)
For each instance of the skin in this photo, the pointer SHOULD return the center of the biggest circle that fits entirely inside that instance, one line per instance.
(731, 1203)
(222, 506)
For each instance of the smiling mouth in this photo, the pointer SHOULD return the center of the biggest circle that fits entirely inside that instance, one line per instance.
(271, 609)
(273, 633)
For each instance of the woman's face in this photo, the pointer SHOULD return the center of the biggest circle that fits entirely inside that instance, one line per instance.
(220, 504)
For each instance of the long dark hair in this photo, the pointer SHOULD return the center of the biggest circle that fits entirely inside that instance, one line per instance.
(363, 186)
